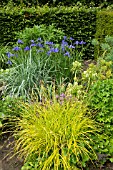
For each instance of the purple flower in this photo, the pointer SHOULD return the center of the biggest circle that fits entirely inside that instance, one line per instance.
(63, 49)
(9, 54)
(20, 41)
(27, 48)
(32, 41)
(71, 46)
(62, 95)
(54, 50)
(67, 54)
(33, 45)
(65, 37)
(82, 42)
(76, 42)
(48, 53)
(16, 48)
(64, 43)
(40, 45)
(49, 43)
(39, 39)
(9, 62)
(71, 38)
(57, 96)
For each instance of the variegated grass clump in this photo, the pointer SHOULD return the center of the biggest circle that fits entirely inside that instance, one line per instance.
(57, 134)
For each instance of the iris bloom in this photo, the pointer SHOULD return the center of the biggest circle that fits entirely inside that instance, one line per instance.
(9, 54)
(16, 48)
(67, 54)
(9, 62)
(20, 41)
(27, 48)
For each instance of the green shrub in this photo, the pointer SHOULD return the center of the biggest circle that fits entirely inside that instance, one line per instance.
(105, 49)
(101, 102)
(57, 2)
(104, 24)
(49, 33)
(8, 108)
(55, 135)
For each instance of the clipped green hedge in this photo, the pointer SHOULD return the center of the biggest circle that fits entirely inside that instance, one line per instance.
(104, 27)
(56, 2)
(80, 23)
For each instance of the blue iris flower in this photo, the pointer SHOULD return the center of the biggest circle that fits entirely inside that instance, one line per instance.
(32, 41)
(40, 45)
(33, 45)
(48, 53)
(82, 42)
(65, 37)
(9, 62)
(71, 38)
(27, 48)
(20, 41)
(16, 48)
(49, 43)
(64, 43)
(39, 39)
(63, 49)
(71, 46)
(9, 54)
(76, 42)
(54, 50)
(67, 54)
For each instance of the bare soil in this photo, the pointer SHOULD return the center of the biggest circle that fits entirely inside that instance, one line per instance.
(7, 159)
(10, 162)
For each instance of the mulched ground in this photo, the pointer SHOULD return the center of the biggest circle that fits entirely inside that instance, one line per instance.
(7, 162)
(14, 163)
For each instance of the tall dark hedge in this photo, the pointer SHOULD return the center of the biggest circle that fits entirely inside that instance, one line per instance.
(104, 27)
(56, 2)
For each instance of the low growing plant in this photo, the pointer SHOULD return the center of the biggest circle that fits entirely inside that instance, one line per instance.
(104, 49)
(54, 135)
(8, 108)
(101, 102)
